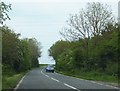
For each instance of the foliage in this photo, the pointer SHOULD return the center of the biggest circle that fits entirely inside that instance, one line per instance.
(58, 48)
(11, 81)
(18, 54)
(103, 55)
(93, 43)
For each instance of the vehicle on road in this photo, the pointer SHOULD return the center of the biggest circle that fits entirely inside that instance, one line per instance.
(50, 68)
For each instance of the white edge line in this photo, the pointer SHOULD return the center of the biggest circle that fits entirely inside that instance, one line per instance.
(105, 85)
(69, 76)
(89, 81)
(92, 81)
(113, 86)
(19, 83)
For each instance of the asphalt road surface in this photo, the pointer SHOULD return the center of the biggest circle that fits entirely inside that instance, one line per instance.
(38, 79)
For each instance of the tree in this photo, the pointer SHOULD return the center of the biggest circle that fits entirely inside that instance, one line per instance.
(31, 51)
(93, 21)
(4, 9)
(10, 48)
(57, 48)
(90, 22)
(18, 54)
(34, 50)
(78, 28)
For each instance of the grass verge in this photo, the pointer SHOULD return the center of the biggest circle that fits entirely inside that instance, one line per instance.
(9, 82)
(94, 76)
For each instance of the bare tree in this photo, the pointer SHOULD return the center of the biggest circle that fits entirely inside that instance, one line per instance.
(99, 17)
(90, 22)
(4, 9)
(77, 27)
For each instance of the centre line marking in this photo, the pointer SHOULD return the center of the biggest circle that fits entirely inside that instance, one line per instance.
(55, 79)
(46, 75)
(71, 87)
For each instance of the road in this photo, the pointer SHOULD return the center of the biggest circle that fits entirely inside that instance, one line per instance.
(38, 79)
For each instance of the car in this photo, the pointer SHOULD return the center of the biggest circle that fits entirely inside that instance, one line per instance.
(50, 68)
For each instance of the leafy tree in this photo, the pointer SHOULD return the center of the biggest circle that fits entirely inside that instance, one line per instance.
(58, 48)
(34, 50)
(18, 54)
(10, 48)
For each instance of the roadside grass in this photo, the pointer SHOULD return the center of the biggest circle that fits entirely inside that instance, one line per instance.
(94, 76)
(9, 82)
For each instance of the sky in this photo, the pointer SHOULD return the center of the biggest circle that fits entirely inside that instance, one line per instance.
(43, 19)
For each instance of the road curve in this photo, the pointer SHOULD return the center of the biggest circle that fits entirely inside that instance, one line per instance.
(38, 79)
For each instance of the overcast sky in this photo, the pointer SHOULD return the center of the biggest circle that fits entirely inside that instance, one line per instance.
(43, 19)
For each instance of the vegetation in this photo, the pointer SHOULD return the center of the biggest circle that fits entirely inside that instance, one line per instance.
(10, 82)
(18, 55)
(91, 47)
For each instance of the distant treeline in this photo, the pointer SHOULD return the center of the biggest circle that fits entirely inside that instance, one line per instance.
(18, 55)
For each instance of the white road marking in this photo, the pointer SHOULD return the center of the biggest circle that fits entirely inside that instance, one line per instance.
(19, 83)
(71, 87)
(70, 76)
(93, 81)
(46, 75)
(104, 84)
(55, 79)
(61, 82)
(89, 81)
(112, 86)
(99, 83)
(42, 72)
